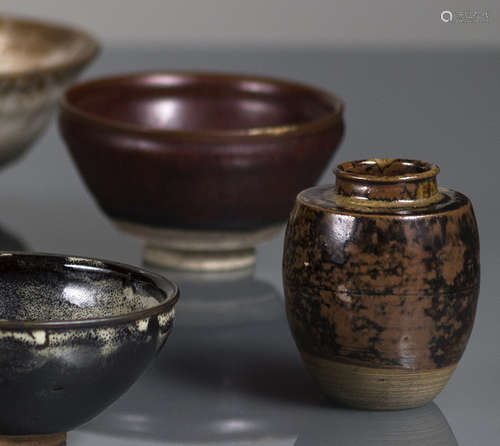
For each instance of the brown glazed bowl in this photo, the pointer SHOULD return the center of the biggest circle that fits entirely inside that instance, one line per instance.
(203, 166)
(37, 61)
(381, 277)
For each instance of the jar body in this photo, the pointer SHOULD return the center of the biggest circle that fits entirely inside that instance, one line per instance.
(381, 302)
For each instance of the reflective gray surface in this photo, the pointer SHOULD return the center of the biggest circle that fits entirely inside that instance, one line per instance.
(230, 373)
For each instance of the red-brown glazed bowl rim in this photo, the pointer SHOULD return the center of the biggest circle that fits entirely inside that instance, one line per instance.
(158, 281)
(91, 50)
(312, 126)
(429, 170)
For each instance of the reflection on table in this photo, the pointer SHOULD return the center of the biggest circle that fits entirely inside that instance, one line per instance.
(425, 426)
(231, 373)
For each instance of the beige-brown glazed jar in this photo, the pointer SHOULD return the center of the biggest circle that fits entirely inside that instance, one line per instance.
(381, 278)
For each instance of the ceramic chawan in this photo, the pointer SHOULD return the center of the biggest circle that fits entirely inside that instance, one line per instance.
(37, 60)
(381, 276)
(201, 166)
(75, 334)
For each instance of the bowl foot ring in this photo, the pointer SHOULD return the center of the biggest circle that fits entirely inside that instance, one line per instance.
(198, 260)
(199, 250)
(34, 440)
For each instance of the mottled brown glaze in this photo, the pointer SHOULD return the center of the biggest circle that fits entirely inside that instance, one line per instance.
(199, 151)
(382, 270)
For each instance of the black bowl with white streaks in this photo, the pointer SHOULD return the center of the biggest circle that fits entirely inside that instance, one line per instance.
(75, 333)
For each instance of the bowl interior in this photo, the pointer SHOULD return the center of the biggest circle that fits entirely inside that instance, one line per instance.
(187, 102)
(30, 46)
(67, 288)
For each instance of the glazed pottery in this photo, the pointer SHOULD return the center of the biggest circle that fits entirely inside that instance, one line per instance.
(201, 166)
(381, 276)
(37, 60)
(75, 334)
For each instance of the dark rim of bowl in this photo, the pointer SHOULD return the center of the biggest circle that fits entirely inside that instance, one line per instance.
(91, 50)
(317, 124)
(157, 280)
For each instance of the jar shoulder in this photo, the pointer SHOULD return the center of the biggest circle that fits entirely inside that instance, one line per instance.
(324, 199)
(377, 252)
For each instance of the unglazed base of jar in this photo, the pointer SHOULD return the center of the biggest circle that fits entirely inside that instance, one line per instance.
(191, 250)
(33, 440)
(376, 388)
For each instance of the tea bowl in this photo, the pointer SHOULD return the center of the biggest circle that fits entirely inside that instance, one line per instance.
(202, 166)
(75, 333)
(37, 60)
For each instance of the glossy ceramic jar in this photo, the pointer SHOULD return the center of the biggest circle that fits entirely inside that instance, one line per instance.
(381, 277)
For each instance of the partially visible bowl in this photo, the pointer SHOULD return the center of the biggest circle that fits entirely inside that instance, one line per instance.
(75, 333)
(203, 166)
(37, 60)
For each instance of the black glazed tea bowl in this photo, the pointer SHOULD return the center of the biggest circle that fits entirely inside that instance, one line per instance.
(75, 334)
(202, 166)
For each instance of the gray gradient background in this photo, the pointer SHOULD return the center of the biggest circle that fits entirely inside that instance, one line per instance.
(271, 23)
(438, 106)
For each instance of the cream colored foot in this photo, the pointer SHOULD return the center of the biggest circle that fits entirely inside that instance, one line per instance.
(377, 388)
